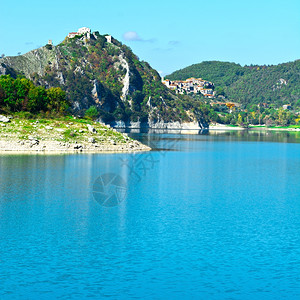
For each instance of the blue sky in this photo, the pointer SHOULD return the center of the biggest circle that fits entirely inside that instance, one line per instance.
(168, 34)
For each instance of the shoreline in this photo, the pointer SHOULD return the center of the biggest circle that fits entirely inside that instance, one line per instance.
(65, 152)
(63, 136)
(22, 151)
(80, 136)
(56, 149)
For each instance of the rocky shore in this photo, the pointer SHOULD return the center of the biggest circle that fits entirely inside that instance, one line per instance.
(62, 136)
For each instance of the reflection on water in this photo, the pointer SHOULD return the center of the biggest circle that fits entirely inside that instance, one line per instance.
(217, 135)
(261, 135)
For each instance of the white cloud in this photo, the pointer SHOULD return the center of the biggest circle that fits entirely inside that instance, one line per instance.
(134, 37)
(131, 36)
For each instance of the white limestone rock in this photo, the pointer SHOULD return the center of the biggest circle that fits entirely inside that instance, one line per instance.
(91, 128)
(4, 119)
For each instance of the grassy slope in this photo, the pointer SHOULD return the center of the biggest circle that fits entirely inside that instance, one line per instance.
(65, 129)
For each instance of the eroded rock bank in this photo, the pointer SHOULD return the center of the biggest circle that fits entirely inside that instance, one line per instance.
(159, 125)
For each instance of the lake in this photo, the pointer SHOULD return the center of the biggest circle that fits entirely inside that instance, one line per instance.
(202, 216)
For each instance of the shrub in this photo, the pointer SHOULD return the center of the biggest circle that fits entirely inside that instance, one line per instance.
(91, 113)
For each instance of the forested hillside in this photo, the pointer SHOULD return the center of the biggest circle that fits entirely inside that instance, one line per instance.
(275, 84)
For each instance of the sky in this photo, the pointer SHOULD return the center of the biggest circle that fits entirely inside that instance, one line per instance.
(170, 35)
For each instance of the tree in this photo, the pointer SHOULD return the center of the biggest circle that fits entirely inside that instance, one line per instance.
(2, 95)
(37, 99)
(240, 120)
(7, 84)
(57, 100)
(219, 91)
(137, 99)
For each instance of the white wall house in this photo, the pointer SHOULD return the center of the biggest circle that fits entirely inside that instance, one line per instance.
(72, 35)
(84, 30)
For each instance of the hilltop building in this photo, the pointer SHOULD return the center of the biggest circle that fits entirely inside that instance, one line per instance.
(84, 30)
(108, 38)
(81, 31)
(72, 35)
(87, 31)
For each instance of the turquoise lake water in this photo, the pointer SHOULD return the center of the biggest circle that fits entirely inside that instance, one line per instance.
(214, 216)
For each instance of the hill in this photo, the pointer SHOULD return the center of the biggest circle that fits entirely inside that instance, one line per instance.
(274, 84)
(100, 72)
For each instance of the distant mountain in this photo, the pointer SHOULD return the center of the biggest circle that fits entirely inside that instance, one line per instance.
(278, 84)
(97, 70)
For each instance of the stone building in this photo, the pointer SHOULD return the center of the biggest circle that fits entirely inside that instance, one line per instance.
(108, 38)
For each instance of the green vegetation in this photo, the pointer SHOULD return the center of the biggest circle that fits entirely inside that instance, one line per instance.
(91, 113)
(270, 117)
(21, 94)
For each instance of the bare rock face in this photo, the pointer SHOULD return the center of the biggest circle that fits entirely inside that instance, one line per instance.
(2, 69)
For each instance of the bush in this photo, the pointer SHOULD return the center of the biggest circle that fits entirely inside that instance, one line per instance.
(25, 115)
(91, 113)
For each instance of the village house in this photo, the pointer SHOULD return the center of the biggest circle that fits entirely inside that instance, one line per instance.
(287, 106)
(190, 85)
